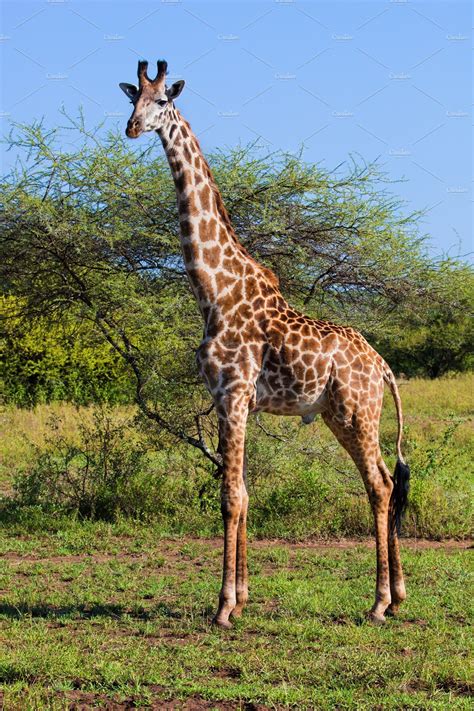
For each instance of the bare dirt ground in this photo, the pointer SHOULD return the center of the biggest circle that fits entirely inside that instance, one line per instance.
(87, 701)
(83, 701)
(217, 543)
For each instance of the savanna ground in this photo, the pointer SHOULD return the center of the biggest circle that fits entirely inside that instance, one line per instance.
(117, 615)
(94, 618)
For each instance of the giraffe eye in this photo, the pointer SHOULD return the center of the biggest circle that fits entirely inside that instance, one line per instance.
(162, 102)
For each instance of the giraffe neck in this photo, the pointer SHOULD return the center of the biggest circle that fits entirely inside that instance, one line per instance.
(213, 257)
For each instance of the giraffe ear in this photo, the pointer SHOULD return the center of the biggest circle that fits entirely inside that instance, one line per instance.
(175, 90)
(129, 89)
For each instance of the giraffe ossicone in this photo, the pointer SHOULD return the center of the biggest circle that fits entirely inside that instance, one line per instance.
(258, 354)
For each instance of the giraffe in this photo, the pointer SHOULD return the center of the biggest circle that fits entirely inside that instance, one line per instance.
(258, 354)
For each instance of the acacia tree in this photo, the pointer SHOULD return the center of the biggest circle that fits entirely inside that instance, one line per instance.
(91, 232)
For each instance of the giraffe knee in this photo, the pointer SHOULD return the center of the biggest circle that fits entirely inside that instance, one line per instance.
(231, 505)
(379, 485)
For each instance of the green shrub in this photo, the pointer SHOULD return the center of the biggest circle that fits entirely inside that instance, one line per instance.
(107, 470)
(441, 502)
(41, 362)
(93, 477)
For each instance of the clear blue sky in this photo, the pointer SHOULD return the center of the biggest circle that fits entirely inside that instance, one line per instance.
(382, 78)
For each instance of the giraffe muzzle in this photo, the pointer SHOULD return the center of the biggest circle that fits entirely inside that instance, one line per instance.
(133, 129)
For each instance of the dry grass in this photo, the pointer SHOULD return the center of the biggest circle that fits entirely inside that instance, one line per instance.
(23, 430)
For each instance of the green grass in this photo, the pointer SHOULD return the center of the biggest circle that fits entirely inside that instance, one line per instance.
(98, 613)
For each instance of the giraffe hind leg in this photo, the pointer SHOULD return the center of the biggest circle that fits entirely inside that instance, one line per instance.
(365, 452)
(397, 583)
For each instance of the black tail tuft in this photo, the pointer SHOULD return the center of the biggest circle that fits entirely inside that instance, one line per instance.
(401, 481)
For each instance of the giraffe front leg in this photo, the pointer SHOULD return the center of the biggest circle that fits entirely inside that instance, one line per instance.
(232, 424)
(241, 584)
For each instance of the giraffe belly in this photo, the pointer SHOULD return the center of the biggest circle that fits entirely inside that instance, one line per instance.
(280, 400)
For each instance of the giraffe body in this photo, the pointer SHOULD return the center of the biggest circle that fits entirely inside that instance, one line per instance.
(260, 355)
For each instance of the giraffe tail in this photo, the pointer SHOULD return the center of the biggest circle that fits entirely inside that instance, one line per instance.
(401, 476)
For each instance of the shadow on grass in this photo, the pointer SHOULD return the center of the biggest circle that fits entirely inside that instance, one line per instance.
(113, 611)
(160, 610)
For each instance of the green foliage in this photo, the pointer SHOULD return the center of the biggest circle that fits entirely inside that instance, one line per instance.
(106, 468)
(442, 340)
(441, 491)
(42, 361)
(97, 302)
(95, 477)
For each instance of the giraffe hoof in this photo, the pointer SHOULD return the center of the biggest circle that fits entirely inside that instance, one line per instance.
(236, 612)
(223, 624)
(393, 610)
(376, 618)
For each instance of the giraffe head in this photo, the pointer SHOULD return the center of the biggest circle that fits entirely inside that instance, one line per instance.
(151, 100)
